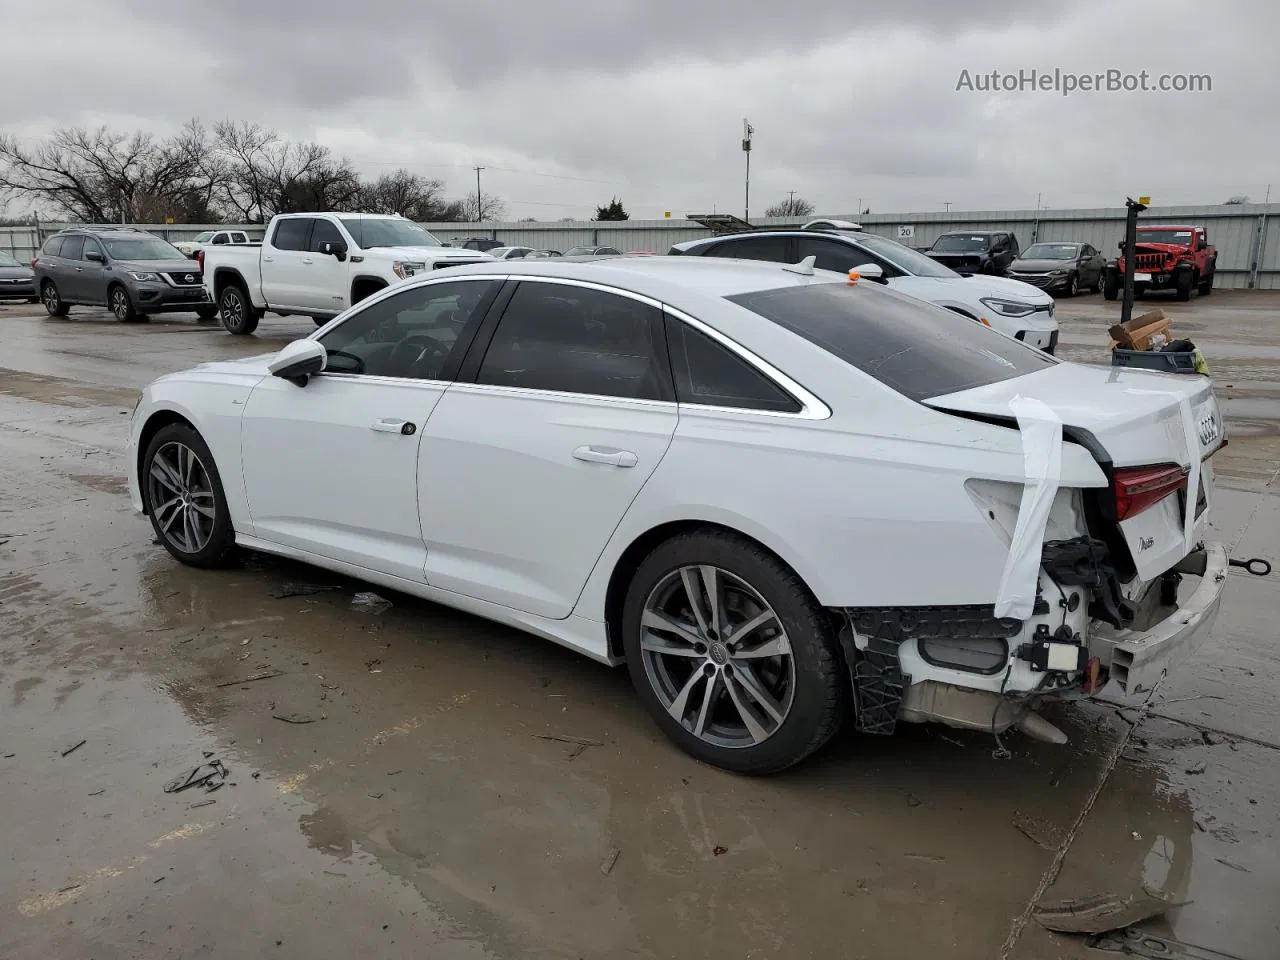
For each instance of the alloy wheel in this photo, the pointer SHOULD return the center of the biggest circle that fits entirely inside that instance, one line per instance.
(120, 304)
(50, 293)
(717, 656)
(181, 497)
(232, 308)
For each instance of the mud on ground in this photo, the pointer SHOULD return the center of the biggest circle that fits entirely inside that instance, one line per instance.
(443, 787)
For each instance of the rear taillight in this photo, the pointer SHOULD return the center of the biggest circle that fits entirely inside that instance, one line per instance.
(200, 257)
(1138, 488)
(34, 261)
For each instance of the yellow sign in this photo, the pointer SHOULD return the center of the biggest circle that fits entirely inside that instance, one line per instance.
(168, 219)
(666, 215)
(1145, 201)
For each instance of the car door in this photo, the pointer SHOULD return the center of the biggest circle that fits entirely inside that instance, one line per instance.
(840, 257)
(531, 459)
(69, 274)
(331, 468)
(92, 273)
(284, 274)
(776, 249)
(327, 286)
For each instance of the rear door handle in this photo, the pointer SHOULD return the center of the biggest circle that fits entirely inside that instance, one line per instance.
(387, 425)
(615, 458)
(307, 260)
(268, 260)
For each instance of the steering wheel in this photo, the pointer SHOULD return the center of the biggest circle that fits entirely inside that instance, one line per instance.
(410, 352)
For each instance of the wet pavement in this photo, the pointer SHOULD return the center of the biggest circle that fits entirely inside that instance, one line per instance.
(440, 786)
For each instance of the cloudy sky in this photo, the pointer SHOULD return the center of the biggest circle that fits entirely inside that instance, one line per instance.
(567, 103)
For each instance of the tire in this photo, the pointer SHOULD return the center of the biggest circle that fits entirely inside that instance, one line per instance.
(1073, 286)
(207, 313)
(1111, 285)
(186, 530)
(121, 305)
(804, 683)
(1206, 285)
(1183, 284)
(53, 300)
(238, 315)
(1100, 282)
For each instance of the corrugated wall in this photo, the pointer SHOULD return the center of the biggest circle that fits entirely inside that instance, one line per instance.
(1240, 233)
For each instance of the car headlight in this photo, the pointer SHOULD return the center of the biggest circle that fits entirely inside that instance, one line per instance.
(142, 277)
(1058, 273)
(407, 268)
(1008, 308)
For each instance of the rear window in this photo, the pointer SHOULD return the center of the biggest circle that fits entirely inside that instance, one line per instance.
(915, 348)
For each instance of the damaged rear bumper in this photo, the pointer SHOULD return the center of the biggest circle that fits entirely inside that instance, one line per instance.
(1138, 660)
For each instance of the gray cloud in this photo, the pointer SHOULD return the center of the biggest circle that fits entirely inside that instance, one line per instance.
(567, 103)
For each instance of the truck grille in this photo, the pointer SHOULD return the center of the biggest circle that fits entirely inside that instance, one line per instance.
(1035, 279)
(1149, 261)
(186, 278)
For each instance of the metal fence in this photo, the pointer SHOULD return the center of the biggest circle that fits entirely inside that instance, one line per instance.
(1248, 247)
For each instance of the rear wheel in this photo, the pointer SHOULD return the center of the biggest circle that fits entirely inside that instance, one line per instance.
(238, 315)
(1206, 285)
(53, 300)
(184, 498)
(731, 654)
(1111, 285)
(1100, 282)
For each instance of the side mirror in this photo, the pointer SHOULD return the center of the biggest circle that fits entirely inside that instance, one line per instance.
(871, 271)
(96, 256)
(334, 248)
(298, 361)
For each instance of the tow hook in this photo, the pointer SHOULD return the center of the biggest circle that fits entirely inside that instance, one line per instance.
(1257, 566)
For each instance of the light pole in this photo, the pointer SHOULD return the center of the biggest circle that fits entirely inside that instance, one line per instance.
(747, 131)
(479, 205)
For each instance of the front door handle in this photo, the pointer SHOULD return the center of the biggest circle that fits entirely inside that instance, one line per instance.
(307, 260)
(615, 458)
(386, 425)
(268, 259)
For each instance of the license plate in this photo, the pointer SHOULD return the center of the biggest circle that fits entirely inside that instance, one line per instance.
(1141, 277)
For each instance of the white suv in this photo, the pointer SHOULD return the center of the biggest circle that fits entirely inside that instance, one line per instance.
(1010, 306)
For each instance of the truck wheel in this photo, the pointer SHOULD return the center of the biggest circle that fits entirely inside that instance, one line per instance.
(1206, 285)
(238, 315)
(1183, 283)
(1111, 285)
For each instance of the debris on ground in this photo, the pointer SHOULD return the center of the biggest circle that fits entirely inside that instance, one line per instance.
(719, 851)
(370, 602)
(98, 793)
(1040, 832)
(202, 803)
(209, 775)
(1103, 913)
(294, 717)
(73, 748)
(1196, 770)
(264, 675)
(303, 590)
(372, 665)
(579, 744)
(913, 800)
(1233, 866)
(375, 796)
(606, 865)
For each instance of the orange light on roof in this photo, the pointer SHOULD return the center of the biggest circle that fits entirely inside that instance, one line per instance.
(854, 277)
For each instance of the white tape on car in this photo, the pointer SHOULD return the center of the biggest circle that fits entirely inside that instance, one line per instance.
(1041, 431)
(1193, 480)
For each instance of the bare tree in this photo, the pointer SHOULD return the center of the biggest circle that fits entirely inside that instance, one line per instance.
(494, 209)
(793, 206)
(410, 196)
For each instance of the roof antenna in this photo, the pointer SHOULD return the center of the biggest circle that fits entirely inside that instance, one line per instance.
(804, 267)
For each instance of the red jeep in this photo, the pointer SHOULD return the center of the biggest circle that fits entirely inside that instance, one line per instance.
(1166, 258)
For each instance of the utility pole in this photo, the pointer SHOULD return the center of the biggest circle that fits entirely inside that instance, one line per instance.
(791, 203)
(947, 204)
(479, 205)
(747, 131)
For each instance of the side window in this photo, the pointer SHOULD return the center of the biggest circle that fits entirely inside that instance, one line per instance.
(577, 340)
(709, 374)
(324, 232)
(239, 238)
(412, 334)
(93, 246)
(72, 248)
(292, 234)
(773, 249)
(220, 239)
(831, 254)
(52, 247)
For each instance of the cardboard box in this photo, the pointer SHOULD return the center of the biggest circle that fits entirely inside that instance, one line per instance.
(1137, 333)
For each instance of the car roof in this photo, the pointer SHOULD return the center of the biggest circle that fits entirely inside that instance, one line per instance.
(847, 235)
(107, 232)
(1167, 226)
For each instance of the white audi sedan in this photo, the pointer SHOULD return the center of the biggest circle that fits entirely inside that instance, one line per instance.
(781, 496)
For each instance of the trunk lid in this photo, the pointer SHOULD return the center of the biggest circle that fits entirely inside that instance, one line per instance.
(1126, 418)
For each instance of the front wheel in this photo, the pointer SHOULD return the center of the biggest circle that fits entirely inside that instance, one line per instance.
(122, 305)
(1073, 286)
(238, 315)
(207, 313)
(1111, 285)
(731, 654)
(184, 498)
(1184, 282)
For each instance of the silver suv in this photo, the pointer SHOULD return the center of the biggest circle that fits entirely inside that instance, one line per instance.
(132, 272)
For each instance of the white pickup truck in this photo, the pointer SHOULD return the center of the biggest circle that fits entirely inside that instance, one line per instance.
(319, 264)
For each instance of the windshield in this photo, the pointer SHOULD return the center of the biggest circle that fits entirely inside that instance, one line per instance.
(369, 232)
(961, 243)
(911, 346)
(8, 261)
(1050, 251)
(142, 248)
(204, 237)
(909, 261)
(579, 251)
(1181, 238)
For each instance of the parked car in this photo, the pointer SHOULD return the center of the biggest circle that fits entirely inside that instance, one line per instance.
(482, 244)
(318, 264)
(1063, 267)
(767, 491)
(1177, 258)
(976, 251)
(539, 254)
(133, 273)
(1009, 306)
(509, 253)
(17, 279)
(214, 238)
(589, 251)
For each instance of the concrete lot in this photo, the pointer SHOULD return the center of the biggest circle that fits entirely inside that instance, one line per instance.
(428, 810)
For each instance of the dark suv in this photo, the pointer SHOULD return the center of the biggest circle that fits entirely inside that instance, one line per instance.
(133, 273)
(976, 251)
